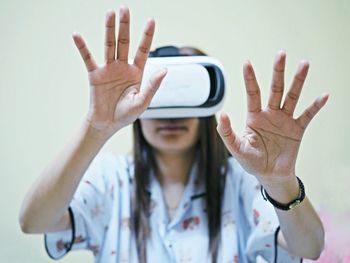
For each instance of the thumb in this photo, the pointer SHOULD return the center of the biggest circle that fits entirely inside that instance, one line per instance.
(153, 85)
(231, 141)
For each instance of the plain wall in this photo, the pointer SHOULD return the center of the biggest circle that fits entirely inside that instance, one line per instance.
(44, 87)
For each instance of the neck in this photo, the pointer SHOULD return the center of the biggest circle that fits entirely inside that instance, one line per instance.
(174, 168)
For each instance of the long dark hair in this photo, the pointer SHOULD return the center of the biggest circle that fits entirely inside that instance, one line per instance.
(212, 167)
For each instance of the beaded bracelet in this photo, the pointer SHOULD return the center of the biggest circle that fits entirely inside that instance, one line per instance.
(289, 205)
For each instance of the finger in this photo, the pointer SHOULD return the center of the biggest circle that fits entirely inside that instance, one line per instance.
(110, 37)
(231, 141)
(252, 88)
(145, 45)
(147, 94)
(295, 90)
(277, 85)
(306, 117)
(124, 34)
(84, 52)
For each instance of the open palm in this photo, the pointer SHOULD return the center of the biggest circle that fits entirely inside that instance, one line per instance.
(272, 136)
(115, 96)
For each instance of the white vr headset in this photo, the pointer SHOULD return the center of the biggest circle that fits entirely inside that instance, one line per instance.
(193, 87)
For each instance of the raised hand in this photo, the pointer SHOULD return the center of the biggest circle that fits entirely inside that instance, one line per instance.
(115, 96)
(272, 137)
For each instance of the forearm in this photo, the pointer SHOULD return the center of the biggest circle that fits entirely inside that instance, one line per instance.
(301, 228)
(49, 197)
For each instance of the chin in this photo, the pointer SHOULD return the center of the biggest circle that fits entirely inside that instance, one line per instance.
(173, 146)
(173, 149)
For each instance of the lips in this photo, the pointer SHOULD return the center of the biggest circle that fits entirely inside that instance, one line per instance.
(172, 128)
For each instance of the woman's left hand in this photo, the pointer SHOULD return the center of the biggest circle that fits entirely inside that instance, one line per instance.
(270, 144)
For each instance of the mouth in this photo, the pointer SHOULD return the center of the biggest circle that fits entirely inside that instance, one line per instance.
(171, 128)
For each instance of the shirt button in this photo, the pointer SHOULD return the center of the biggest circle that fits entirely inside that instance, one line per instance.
(185, 205)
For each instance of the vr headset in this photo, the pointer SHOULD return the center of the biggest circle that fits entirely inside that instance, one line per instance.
(193, 87)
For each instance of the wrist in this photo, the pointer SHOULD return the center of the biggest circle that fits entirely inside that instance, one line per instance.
(285, 206)
(280, 188)
(93, 134)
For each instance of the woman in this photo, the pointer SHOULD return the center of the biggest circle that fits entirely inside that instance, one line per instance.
(180, 199)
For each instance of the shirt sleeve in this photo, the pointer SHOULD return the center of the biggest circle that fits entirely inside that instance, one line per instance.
(89, 211)
(264, 225)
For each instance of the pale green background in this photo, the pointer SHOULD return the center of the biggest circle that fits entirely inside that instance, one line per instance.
(44, 89)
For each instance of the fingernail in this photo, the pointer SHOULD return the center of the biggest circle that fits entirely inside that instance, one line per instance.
(110, 12)
(150, 20)
(303, 64)
(247, 63)
(326, 95)
(282, 51)
(123, 8)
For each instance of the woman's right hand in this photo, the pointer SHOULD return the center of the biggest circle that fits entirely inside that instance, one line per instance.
(115, 96)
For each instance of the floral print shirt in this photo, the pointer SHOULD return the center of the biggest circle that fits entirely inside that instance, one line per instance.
(101, 209)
